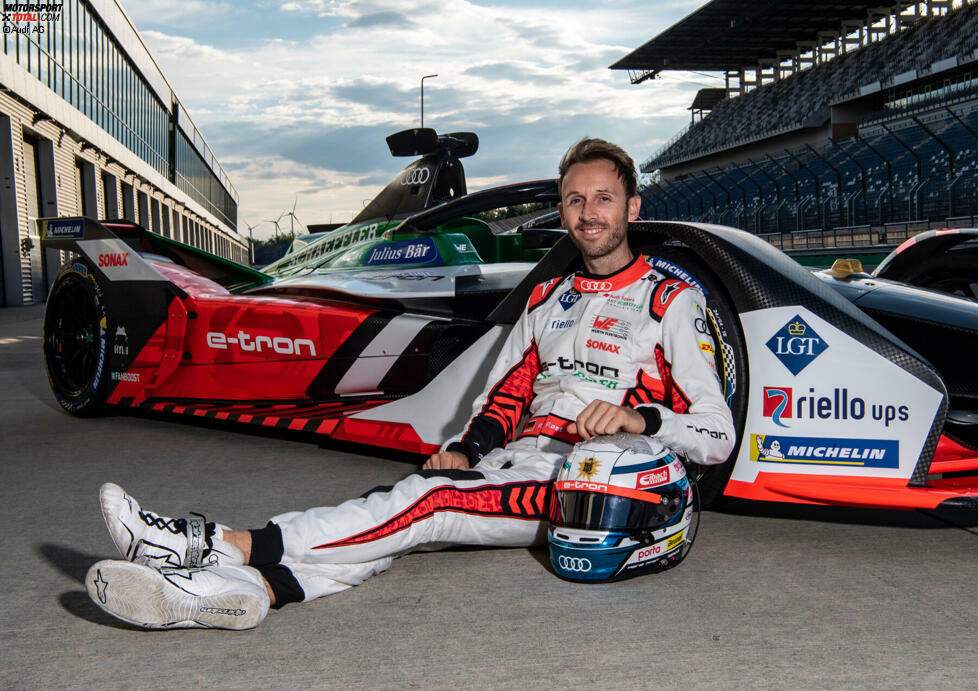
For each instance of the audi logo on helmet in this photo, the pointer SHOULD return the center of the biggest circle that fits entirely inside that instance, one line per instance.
(574, 563)
(594, 286)
(418, 176)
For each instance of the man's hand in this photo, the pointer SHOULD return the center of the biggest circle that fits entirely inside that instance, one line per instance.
(601, 417)
(446, 460)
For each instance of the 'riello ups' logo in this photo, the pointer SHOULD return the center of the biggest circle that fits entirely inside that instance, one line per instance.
(796, 344)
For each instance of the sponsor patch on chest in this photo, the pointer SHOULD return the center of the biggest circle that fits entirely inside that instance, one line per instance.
(609, 326)
(601, 345)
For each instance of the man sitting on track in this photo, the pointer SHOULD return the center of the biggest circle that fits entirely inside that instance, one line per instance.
(610, 349)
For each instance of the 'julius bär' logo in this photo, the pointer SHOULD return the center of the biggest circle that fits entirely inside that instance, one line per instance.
(796, 344)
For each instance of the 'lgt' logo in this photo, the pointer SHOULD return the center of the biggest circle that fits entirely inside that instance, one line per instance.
(796, 345)
(568, 299)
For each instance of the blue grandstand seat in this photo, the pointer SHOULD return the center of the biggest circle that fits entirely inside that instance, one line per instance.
(802, 98)
(879, 181)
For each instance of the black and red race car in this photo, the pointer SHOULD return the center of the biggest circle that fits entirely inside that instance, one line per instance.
(846, 388)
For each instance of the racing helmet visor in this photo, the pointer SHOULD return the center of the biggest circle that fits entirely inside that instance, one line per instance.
(596, 511)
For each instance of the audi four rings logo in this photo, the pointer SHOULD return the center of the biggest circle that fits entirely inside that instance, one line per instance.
(418, 176)
(596, 285)
(574, 564)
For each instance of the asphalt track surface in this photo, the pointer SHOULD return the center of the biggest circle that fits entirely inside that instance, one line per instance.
(770, 596)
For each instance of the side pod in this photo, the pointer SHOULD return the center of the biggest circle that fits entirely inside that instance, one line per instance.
(838, 410)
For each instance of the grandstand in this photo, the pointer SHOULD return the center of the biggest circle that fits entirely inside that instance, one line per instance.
(840, 124)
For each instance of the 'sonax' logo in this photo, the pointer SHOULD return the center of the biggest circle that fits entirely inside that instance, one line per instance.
(574, 564)
(601, 345)
(114, 259)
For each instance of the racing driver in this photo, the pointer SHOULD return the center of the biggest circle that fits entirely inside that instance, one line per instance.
(612, 348)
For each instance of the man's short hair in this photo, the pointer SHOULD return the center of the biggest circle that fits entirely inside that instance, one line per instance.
(591, 149)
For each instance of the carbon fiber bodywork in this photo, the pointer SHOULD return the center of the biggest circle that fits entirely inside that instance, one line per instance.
(758, 276)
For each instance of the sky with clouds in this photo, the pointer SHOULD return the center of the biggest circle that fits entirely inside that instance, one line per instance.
(295, 97)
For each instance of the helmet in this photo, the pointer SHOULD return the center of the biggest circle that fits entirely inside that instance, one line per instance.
(623, 507)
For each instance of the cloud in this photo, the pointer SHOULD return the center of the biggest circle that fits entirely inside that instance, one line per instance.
(359, 8)
(352, 150)
(597, 60)
(305, 112)
(383, 95)
(313, 190)
(515, 71)
(395, 19)
(176, 13)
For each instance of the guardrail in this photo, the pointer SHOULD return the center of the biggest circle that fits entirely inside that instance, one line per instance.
(889, 234)
(962, 222)
(849, 236)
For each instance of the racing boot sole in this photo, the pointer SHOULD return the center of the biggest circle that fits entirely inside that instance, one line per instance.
(209, 598)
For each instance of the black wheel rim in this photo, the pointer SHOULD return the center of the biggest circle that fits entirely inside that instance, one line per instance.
(73, 338)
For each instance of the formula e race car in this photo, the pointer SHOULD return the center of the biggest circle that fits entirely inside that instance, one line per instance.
(847, 388)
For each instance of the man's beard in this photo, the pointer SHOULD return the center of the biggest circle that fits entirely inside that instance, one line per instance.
(612, 241)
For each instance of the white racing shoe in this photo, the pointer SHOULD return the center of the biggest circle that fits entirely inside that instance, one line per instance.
(148, 538)
(217, 597)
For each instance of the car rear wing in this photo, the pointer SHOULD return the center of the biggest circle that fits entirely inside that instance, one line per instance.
(79, 235)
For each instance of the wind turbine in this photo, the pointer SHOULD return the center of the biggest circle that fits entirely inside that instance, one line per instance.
(292, 217)
(251, 239)
(278, 230)
(251, 228)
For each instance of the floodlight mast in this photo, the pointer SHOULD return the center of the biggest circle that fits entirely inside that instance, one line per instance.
(427, 76)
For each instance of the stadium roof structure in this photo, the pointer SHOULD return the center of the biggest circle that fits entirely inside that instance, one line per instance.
(707, 98)
(731, 34)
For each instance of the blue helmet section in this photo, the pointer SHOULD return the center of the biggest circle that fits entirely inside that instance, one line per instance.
(594, 562)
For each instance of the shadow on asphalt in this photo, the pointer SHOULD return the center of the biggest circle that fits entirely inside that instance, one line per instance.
(921, 518)
(75, 565)
(542, 555)
(78, 604)
(68, 561)
(407, 457)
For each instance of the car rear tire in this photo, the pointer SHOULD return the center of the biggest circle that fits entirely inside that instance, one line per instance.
(76, 340)
(724, 327)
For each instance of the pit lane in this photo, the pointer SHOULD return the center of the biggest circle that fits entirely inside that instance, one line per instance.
(771, 595)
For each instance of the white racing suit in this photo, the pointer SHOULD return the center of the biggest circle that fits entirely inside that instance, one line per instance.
(636, 338)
